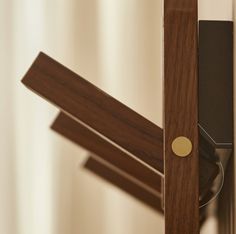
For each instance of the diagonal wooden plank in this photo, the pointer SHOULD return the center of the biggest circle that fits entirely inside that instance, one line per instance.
(98, 110)
(124, 184)
(181, 115)
(82, 136)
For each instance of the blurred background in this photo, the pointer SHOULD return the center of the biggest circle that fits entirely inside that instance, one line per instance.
(117, 45)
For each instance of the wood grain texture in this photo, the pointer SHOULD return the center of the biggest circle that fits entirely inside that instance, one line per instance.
(92, 106)
(92, 142)
(124, 184)
(181, 116)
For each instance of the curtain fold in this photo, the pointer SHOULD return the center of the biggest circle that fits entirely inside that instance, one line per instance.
(117, 46)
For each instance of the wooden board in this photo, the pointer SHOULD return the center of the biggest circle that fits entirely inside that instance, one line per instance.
(98, 110)
(181, 116)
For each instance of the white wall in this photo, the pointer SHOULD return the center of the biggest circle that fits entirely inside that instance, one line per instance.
(215, 9)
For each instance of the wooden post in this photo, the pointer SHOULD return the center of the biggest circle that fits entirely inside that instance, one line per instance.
(181, 117)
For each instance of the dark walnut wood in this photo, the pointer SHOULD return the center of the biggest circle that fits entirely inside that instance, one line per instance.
(98, 110)
(89, 140)
(124, 184)
(181, 116)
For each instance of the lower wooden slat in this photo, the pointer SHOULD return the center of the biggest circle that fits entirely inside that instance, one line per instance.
(124, 184)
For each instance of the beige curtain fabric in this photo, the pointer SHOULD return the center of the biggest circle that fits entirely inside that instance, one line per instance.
(117, 46)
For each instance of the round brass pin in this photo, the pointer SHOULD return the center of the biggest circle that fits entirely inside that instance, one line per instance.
(182, 146)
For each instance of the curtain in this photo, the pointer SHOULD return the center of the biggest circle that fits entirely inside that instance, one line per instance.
(117, 46)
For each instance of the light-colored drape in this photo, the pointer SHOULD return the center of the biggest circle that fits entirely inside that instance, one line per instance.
(117, 46)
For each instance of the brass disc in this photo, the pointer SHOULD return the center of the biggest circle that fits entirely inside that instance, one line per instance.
(182, 146)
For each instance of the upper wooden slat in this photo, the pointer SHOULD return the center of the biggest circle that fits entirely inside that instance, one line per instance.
(98, 110)
(181, 115)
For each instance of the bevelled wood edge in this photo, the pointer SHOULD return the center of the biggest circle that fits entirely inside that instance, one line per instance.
(85, 102)
(79, 134)
(124, 184)
(181, 115)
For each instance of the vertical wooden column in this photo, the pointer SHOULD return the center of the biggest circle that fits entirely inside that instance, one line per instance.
(181, 116)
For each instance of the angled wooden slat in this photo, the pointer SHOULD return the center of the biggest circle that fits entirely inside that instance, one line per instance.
(84, 137)
(124, 184)
(181, 115)
(98, 110)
